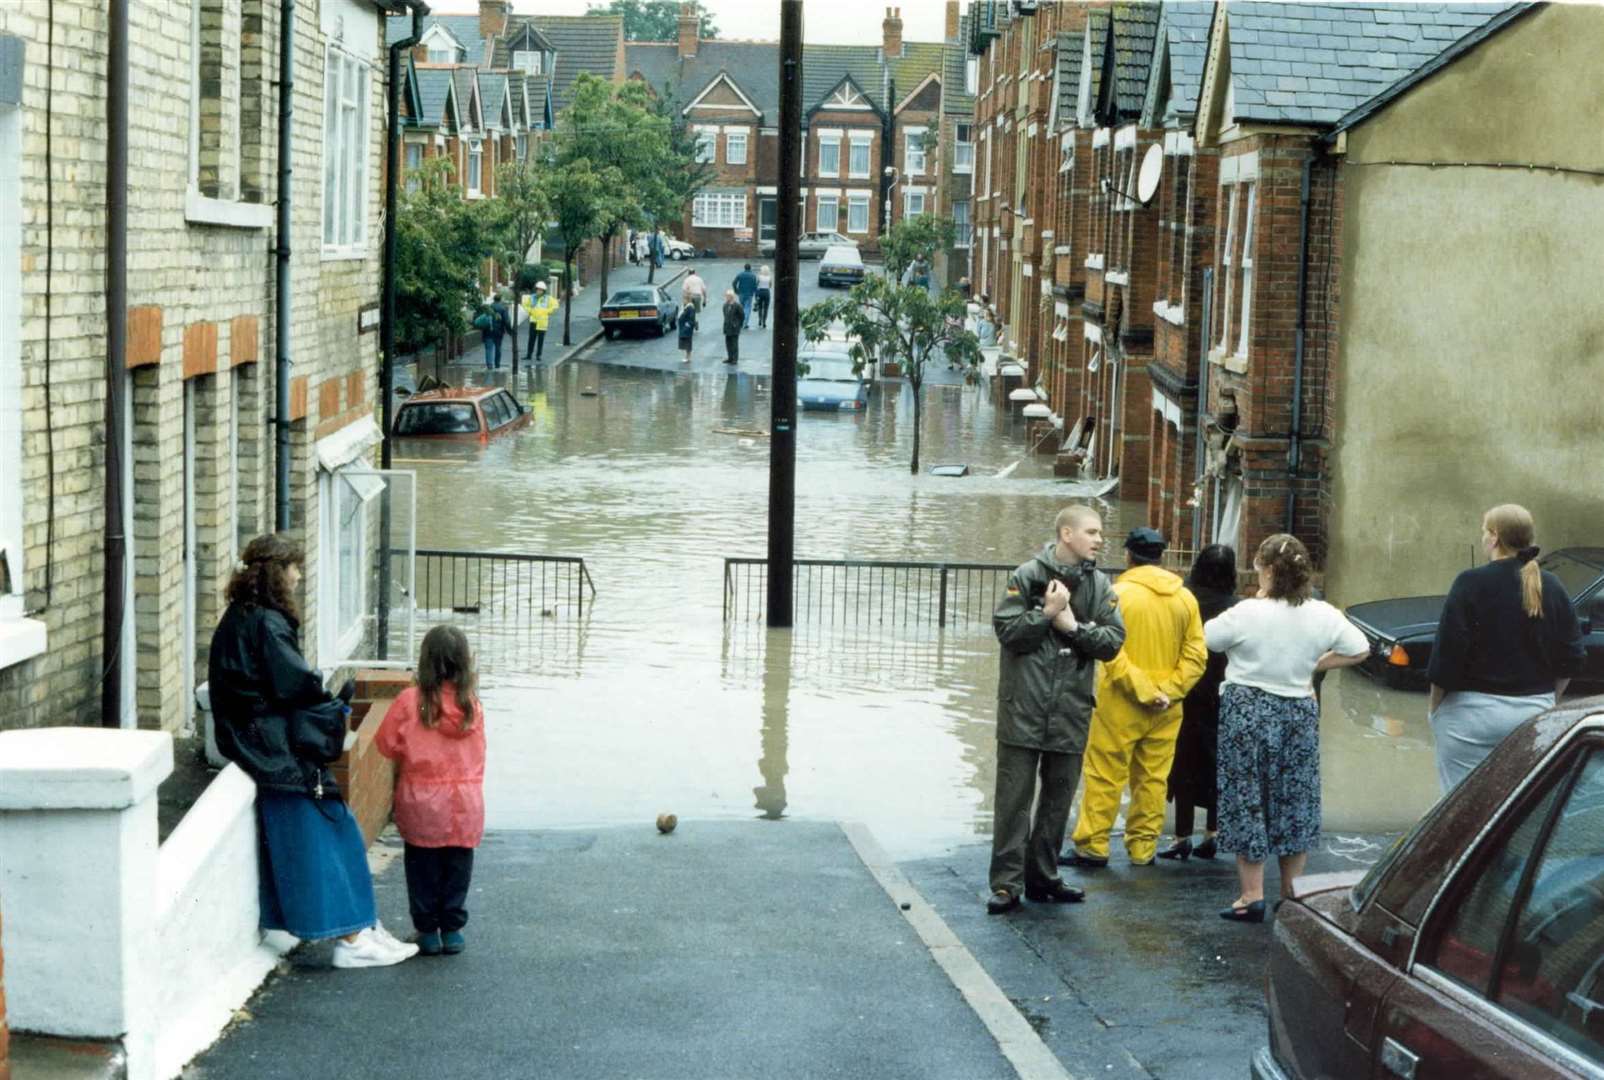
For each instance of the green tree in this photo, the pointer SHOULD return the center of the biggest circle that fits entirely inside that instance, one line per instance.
(901, 323)
(913, 238)
(517, 216)
(581, 197)
(680, 174)
(653, 20)
(440, 241)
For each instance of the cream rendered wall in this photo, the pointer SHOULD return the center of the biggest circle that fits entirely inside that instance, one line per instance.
(1471, 365)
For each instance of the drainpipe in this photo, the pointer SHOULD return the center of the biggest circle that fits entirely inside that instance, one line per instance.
(281, 307)
(1200, 450)
(114, 610)
(1294, 442)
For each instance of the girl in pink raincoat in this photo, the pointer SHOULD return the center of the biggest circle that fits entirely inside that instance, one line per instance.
(435, 731)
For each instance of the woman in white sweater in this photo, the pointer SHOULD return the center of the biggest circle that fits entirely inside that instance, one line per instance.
(1269, 749)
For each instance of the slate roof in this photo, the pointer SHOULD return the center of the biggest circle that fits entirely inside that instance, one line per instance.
(1097, 26)
(492, 88)
(434, 86)
(464, 79)
(501, 51)
(1313, 63)
(1135, 28)
(584, 43)
(754, 66)
(954, 60)
(465, 28)
(824, 66)
(918, 61)
(1180, 48)
(1070, 50)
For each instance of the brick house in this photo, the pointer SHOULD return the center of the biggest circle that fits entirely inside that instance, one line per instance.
(200, 378)
(955, 197)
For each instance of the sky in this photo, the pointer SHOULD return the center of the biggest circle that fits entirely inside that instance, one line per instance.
(824, 22)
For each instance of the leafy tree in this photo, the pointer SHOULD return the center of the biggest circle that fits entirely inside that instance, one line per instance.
(652, 20)
(888, 321)
(440, 241)
(582, 198)
(679, 175)
(914, 238)
(517, 216)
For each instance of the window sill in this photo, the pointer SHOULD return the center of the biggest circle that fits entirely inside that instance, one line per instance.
(20, 639)
(1094, 262)
(1170, 313)
(1119, 277)
(201, 210)
(1235, 362)
(345, 254)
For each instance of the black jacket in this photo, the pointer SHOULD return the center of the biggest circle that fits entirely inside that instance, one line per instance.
(734, 317)
(258, 681)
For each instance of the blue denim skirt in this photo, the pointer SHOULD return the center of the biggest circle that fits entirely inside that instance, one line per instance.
(314, 878)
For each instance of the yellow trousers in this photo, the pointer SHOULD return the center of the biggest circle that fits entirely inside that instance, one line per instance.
(1126, 744)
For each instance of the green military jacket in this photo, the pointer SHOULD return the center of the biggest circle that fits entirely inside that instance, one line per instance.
(1045, 682)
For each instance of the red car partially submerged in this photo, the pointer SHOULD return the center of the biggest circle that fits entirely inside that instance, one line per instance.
(1475, 947)
(469, 413)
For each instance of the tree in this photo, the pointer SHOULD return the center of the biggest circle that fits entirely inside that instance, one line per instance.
(888, 321)
(440, 241)
(581, 198)
(517, 216)
(680, 175)
(653, 20)
(915, 238)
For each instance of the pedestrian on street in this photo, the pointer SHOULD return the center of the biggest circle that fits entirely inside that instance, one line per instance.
(539, 307)
(765, 281)
(1192, 777)
(278, 723)
(746, 288)
(488, 326)
(435, 731)
(1508, 643)
(1058, 616)
(1269, 748)
(1138, 713)
(734, 316)
(504, 307)
(986, 327)
(687, 330)
(964, 288)
(693, 290)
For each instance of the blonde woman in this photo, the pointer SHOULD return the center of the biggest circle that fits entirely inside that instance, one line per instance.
(1507, 646)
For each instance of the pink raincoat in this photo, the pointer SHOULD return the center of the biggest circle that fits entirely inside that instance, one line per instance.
(439, 796)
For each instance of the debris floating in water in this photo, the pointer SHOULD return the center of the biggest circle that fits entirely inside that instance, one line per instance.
(666, 823)
(949, 470)
(750, 433)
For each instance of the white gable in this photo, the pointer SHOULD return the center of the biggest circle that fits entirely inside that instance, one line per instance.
(846, 96)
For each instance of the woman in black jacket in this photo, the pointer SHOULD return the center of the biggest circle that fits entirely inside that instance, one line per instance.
(278, 723)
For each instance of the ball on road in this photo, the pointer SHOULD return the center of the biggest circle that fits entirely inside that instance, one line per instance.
(666, 823)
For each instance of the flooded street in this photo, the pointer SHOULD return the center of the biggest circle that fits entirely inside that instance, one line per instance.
(649, 701)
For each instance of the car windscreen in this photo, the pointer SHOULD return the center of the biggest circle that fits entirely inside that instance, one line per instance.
(631, 297)
(1573, 573)
(829, 369)
(438, 418)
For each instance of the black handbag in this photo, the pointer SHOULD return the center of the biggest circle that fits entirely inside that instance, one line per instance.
(317, 732)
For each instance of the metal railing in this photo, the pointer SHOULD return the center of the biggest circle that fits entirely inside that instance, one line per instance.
(472, 582)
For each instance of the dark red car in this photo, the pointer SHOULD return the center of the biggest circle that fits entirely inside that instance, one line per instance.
(478, 412)
(1475, 947)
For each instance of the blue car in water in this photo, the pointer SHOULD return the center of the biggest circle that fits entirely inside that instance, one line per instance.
(829, 384)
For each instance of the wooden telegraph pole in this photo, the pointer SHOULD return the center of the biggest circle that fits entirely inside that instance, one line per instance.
(782, 424)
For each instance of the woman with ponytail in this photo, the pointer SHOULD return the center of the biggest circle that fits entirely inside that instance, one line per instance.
(1507, 646)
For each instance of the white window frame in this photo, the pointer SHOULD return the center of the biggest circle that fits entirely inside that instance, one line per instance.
(971, 75)
(909, 195)
(963, 152)
(830, 222)
(1225, 272)
(915, 159)
(735, 137)
(964, 237)
(338, 640)
(833, 141)
(856, 141)
(1246, 262)
(476, 168)
(706, 145)
(526, 61)
(719, 210)
(347, 101)
(857, 200)
(20, 638)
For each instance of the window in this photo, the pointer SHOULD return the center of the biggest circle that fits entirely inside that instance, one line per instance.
(985, 187)
(476, 168)
(972, 75)
(413, 162)
(345, 155)
(735, 146)
(858, 163)
(706, 145)
(1244, 331)
(440, 53)
(830, 155)
(347, 500)
(1225, 274)
(914, 151)
(913, 203)
(526, 61)
(858, 212)
(963, 237)
(963, 154)
(522, 144)
(829, 213)
(719, 210)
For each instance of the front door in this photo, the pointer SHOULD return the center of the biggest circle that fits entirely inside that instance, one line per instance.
(768, 218)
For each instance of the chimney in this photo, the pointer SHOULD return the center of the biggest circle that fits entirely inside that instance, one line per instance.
(689, 30)
(891, 30)
(952, 20)
(493, 17)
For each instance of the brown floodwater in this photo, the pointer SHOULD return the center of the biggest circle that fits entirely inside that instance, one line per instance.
(650, 701)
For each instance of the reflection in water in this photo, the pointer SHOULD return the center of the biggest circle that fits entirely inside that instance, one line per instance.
(650, 703)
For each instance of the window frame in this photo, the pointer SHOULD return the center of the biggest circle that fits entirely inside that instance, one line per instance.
(733, 137)
(1223, 343)
(914, 151)
(719, 210)
(13, 603)
(346, 173)
(834, 143)
(971, 75)
(534, 63)
(834, 202)
(963, 150)
(474, 174)
(1245, 270)
(866, 142)
(706, 152)
(855, 200)
(908, 196)
(964, 236)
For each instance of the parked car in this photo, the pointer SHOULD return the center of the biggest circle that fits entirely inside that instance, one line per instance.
(841, 265)
(812, 245)
(1402, 632)
(642, 307)
(470, 413)
(677, 249)
(1475, 947)
(830, 384)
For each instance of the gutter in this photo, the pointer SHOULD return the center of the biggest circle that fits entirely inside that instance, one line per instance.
(114, 609)
(1295, 440)
(281, 305)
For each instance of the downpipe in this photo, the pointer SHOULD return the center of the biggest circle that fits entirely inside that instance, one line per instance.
(281, 303)
(114, 578)
(1295, 440)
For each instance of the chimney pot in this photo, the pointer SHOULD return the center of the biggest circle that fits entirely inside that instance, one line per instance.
(493, 16)
(690, 25)
(891, 31)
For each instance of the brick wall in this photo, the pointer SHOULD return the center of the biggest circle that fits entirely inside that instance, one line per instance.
(725, 176)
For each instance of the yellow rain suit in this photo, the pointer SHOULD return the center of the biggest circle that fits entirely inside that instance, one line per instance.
(1130, 740)
(540, 308)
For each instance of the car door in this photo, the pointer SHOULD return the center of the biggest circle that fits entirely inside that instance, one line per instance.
(1508, 976)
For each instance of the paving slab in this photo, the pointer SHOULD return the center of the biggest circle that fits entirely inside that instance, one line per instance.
(728, 949)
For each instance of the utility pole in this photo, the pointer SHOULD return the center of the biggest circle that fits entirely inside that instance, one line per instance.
(782, 423)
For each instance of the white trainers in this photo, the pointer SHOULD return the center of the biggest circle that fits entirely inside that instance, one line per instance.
(390, 940)
(370, 950)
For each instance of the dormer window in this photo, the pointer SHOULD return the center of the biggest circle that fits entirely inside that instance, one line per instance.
(443, 48)
(527, 61)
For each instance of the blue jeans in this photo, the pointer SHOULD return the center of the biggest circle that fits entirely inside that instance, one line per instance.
(746, 311)
(493, 352)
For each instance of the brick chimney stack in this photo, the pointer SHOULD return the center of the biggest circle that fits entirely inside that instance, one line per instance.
(891, 29)
(952, 20)
(493, 17)
(689, 30)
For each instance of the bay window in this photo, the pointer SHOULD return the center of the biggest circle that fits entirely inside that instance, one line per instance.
(719, 210)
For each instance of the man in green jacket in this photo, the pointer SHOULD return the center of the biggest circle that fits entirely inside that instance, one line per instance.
(1058, 617)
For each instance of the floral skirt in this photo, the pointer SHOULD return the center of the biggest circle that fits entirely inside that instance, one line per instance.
(1269, 773)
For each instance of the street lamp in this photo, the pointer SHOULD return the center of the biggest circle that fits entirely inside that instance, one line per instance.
(891, 171)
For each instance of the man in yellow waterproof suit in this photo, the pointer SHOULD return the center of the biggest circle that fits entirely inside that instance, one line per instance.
(1138, 713)
(539, 307)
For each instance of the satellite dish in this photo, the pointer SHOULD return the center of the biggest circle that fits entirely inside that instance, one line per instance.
(1152, 170)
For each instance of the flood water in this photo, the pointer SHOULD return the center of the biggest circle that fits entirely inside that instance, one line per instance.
(650, 701)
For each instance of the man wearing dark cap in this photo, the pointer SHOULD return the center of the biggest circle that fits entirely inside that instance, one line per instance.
(1138, 713)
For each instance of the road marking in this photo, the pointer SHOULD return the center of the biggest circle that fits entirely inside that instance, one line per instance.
(1015, 1037)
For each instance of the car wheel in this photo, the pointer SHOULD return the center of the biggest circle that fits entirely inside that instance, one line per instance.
(607, 332)
(676, 255)
(661, 329)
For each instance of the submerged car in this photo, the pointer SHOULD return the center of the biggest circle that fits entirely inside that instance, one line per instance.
(830, 384)
(841, 265)
(469, 413)
(1475, 947)
(1402, 632)
(643, 307)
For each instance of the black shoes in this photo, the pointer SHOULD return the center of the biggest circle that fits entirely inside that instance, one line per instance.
(1253, 912)
(1085, 862)
(1002, 902)
(1181, 849)
(1055, 892)
(1206, 849)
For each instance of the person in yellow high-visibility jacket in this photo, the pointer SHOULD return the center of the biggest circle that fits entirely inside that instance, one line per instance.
(1138, 713)
(539, 307)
